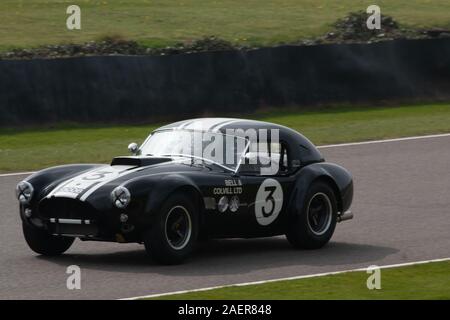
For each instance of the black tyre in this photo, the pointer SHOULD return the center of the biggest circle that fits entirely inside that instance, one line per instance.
(314, 226)
(173, 233)
(43, 243)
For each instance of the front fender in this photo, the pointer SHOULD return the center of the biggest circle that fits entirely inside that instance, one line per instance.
(45, 180)
(152, 191)
(338, 177)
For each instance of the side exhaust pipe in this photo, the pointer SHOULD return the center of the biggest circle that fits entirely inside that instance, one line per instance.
(348, 215)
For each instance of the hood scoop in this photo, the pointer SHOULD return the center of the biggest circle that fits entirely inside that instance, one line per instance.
(138, 161)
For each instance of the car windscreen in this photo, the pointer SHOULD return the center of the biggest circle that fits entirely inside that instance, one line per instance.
(224, 150)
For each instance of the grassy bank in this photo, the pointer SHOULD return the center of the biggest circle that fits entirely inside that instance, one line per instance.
(31, 149)
(425, 281)
(162, 22)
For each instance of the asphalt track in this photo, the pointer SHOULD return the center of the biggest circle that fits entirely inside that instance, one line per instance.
(402, 214)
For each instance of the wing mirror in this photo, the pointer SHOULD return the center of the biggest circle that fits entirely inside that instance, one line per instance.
(133, 147)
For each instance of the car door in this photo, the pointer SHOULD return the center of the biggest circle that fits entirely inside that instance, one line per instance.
(265, 192)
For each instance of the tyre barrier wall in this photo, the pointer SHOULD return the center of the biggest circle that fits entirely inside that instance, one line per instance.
(138, 88)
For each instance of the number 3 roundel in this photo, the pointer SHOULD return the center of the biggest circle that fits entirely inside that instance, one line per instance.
(269, 201)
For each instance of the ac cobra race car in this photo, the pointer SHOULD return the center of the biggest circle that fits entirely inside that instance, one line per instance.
(191, 180)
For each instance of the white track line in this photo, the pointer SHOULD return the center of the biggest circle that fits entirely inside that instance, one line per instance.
(16, 174)
(384, 141)
(288, 278)
(319, 147)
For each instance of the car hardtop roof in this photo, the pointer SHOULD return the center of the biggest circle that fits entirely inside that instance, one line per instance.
(305, 150)
(222, 124)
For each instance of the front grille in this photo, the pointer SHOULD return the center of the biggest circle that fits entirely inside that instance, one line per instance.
(85, 230)
(64, 208)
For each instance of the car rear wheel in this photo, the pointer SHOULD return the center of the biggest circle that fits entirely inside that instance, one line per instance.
(43, 243)
(173, 233)
(314, 226)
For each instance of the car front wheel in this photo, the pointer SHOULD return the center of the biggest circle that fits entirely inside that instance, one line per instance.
(313, 227)
(43, 243)
(173, 233)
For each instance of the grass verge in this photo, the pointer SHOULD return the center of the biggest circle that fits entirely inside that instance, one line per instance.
(31, 149)
(425, 281)
(159, 23)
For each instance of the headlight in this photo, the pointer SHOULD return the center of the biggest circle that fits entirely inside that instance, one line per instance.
(24, 192)
(120, 197)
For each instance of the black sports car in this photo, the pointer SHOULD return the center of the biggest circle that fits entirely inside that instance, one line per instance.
(190, 180)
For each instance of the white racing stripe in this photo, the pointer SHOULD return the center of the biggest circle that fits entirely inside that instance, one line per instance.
(285, 279)
(183, 124)
(216, 129)
(319, 147)
(204, 124)
(88, 182)
(102, 183)
(72, 183)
